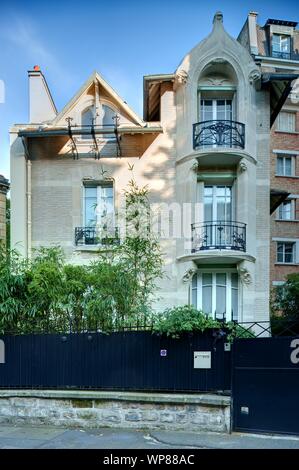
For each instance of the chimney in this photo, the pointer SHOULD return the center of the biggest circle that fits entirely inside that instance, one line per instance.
(252, 30)
(41, 104)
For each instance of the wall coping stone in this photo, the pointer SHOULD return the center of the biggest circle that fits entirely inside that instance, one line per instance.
(152, 397)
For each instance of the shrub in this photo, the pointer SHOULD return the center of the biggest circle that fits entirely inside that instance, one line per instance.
(177, 320)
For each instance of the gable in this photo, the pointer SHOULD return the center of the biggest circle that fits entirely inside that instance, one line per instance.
(96, 92)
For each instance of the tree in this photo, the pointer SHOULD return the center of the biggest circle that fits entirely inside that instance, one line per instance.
(286, 297)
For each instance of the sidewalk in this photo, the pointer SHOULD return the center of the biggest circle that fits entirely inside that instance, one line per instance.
(45, 437)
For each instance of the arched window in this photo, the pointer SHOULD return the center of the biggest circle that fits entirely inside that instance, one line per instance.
(86, 120)
(108, 114)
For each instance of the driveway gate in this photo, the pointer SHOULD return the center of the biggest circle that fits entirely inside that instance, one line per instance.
(265, 385)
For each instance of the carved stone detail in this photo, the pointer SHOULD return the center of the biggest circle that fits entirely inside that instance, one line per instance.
(242, 167)
(189, 274)
(182, 77)
(245, 276)
(254, 76)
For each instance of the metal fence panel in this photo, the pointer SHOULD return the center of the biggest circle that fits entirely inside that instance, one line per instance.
(127, 360)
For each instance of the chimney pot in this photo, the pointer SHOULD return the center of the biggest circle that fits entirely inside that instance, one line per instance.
(36, 68)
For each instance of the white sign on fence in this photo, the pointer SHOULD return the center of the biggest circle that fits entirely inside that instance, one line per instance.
(202, 359)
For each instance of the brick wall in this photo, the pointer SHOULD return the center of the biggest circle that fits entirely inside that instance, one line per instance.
(284, 229)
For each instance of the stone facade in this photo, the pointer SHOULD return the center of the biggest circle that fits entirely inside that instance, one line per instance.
(48, 184)
(120, 410)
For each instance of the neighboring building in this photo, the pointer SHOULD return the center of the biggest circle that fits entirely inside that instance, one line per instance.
(203, 146)
(4, 187)
(275, 48)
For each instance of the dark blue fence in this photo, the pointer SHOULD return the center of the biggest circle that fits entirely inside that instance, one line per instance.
(130, 360)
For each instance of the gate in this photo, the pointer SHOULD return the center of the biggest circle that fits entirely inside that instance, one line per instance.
(265, 385)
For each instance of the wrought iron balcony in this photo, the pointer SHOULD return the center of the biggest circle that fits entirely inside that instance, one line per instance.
(218, 235)
(218, 133)
(94, 236)
(281, 55)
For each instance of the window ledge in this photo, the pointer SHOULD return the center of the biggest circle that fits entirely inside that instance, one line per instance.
(286, 220)
(286, 264)
(91, 248)
(287, 132)
(284, 176)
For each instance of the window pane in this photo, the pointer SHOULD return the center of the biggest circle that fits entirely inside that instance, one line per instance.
(91, 191)
(207, 279)
(206, 110)
(288, 166)
(285, 43)
(86, 120)
(280, 252)
(194, 291)
(286, 121)
(90, 205)
(194, 298)
(235, 280)
(285, 210)
(289, 249)
(220, 301)
(208, 203)
(207, 299)
(279, 165)
(221, 279)
(108, 114)
(234, 304)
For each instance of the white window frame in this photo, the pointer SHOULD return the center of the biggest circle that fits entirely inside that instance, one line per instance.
(215, 200)
(284, 242)
(292, 210)
(99, 187)
(282, 39)
(293, 165)
(214, 272)
(214, 108)
(290, 122)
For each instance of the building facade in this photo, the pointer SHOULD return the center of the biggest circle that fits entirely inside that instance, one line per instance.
(275, 46)
(203, 149)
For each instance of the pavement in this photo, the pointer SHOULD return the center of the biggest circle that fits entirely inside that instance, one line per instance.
(46, 437)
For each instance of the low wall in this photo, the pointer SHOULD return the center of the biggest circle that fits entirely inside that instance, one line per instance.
(205, 412)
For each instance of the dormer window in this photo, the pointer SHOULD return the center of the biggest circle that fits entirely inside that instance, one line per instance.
(281, 46)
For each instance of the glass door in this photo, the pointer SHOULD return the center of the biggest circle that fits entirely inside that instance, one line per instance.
(220, 109)
(213, 114)
(217, 215)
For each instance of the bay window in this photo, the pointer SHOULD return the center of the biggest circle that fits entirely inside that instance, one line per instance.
(216, 293)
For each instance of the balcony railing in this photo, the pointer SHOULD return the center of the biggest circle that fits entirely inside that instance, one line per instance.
(218, 235)
(281, 55)
(94, 236)
(218, 133)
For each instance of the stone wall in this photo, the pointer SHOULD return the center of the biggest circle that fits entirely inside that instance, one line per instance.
(116, 409)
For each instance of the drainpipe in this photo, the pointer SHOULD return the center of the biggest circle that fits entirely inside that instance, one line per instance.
(28, 165)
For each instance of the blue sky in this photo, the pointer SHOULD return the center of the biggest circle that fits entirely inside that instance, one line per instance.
(123, 40)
